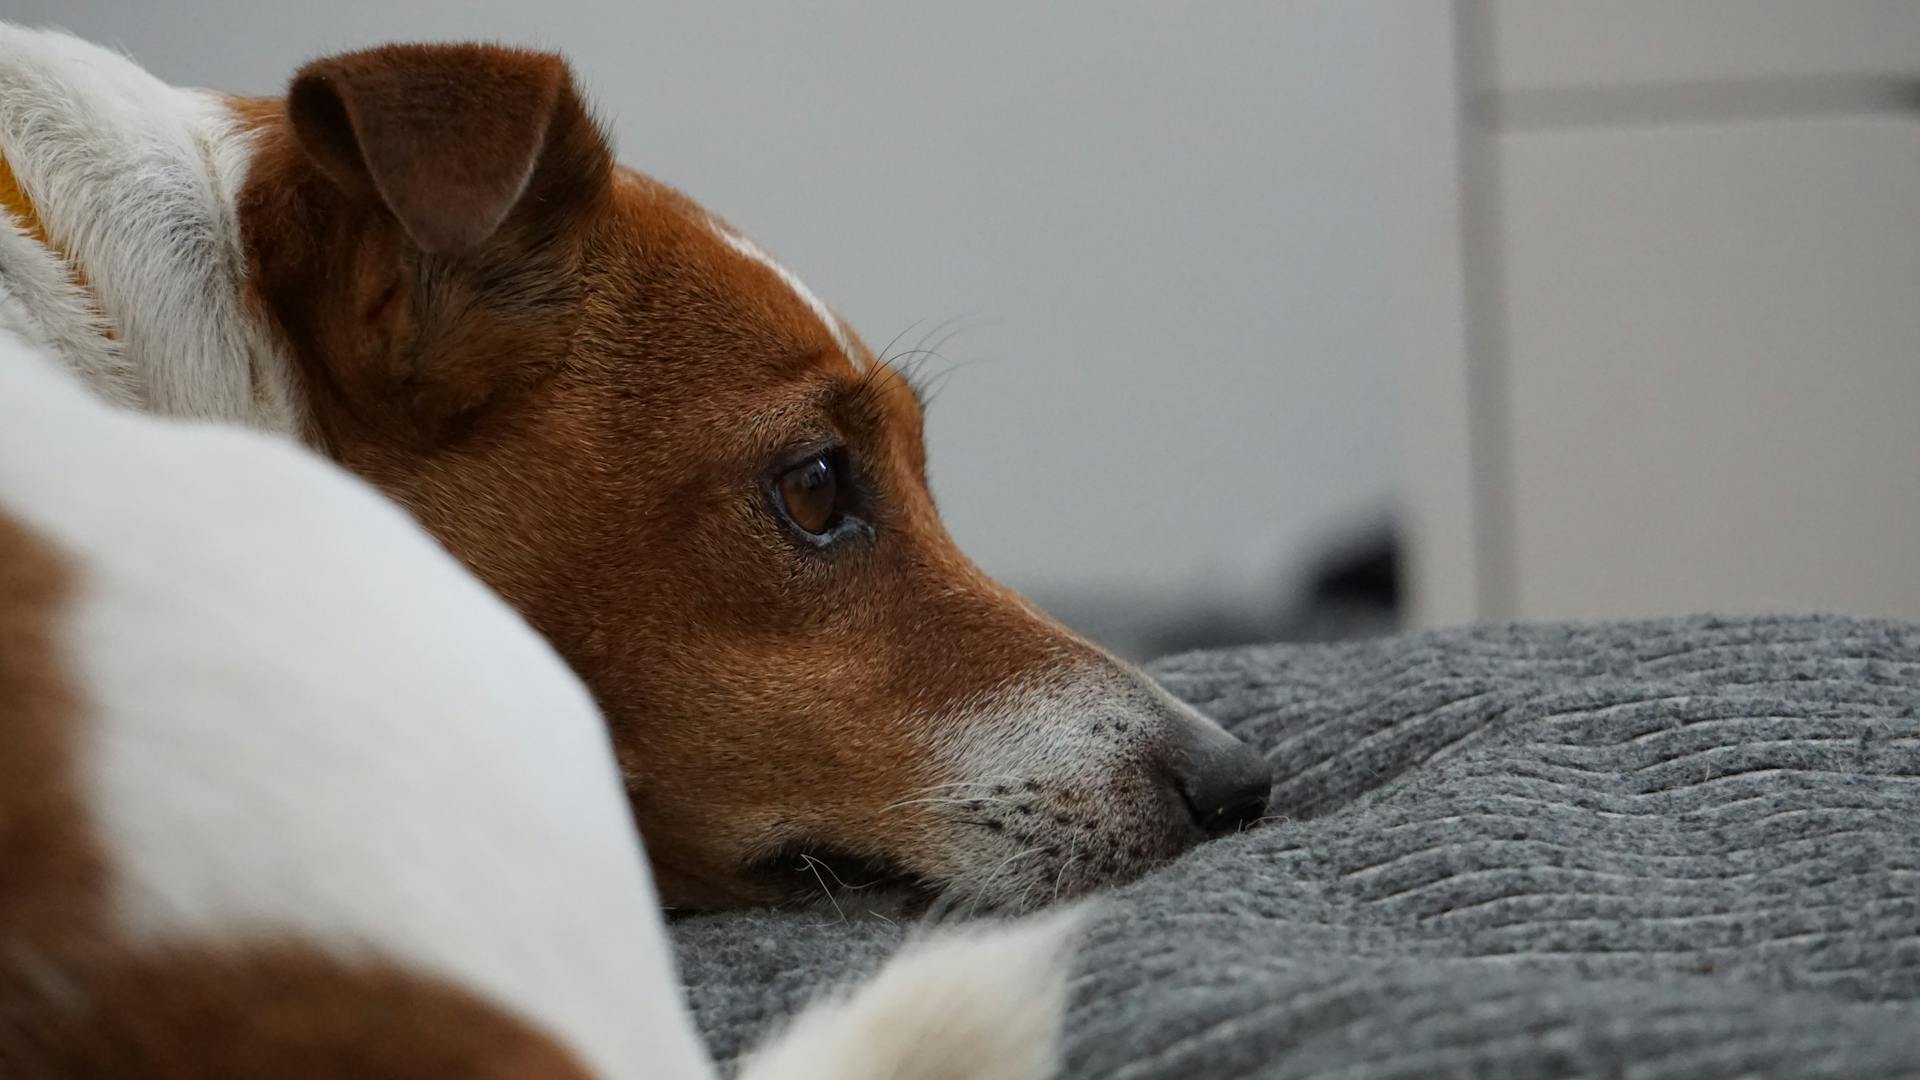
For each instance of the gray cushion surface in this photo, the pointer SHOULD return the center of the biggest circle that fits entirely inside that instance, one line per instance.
(1682, 849)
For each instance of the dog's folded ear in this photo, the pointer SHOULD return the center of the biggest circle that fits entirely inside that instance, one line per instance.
(414, 221)
(447, 137)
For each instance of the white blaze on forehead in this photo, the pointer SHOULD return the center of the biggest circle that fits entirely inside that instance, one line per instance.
(787, 277)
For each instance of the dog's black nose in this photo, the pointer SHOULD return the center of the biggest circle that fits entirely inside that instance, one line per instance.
(1224, 782)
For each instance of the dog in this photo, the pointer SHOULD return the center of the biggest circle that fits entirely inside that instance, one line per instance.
(658, 445)
(285, 792)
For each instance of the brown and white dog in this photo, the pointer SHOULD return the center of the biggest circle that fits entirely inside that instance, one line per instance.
(271, 803)
(651, 439)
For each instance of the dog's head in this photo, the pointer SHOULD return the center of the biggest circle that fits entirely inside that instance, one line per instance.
(699, 484)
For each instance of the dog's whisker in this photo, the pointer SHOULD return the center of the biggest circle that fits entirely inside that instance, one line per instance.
(943, 325)
(1000, 779)
(957, 800)
(932, 391)
(813, 865)
(816, 866)
(890, 362)
(980, 894)
(1060, 877)
(989, 781)
(881, 356)
(948, 338)
(988, 824)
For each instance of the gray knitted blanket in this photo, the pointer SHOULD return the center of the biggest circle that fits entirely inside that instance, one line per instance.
(1680, 849)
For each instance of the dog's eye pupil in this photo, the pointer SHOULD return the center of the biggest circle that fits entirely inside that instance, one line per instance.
(811, 492)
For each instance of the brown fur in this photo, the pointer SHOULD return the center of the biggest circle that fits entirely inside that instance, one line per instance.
(583, 407)
(278, 1010)
(51, 874)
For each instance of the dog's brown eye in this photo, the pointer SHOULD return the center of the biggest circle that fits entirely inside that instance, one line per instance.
(810, 493)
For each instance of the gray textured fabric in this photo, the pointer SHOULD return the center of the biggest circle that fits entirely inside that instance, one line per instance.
(1681, 849)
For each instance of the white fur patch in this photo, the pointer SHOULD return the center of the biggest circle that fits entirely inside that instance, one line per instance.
(961, 1006)
(1050, 787)
(137, 181)
(821, 311)
(40, 301)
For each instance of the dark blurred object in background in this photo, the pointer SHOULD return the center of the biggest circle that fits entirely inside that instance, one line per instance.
(1354, 591)
(1351, 589)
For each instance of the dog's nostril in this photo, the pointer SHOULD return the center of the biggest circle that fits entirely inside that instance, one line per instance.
(1239, 816)
(1225, 786)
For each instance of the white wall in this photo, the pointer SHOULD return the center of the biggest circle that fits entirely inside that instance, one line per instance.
(1165, 223)
(1677, 371)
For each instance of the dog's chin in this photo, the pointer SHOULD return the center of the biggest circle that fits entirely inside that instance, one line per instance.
(839, 882)
(836, 880)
